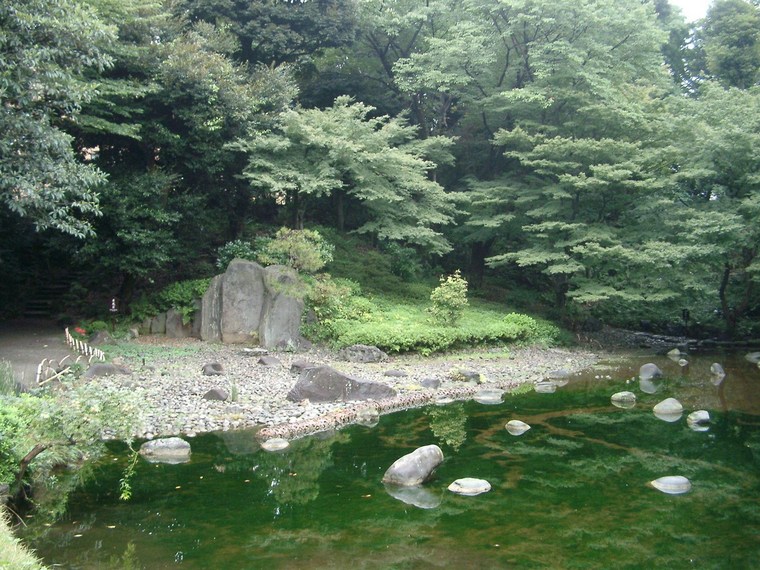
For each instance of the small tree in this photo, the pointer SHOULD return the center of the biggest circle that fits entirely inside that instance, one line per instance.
(304, 250)
(449, 299)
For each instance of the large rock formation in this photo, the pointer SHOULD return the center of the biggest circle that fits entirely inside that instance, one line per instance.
(252, 304)
(325, 384)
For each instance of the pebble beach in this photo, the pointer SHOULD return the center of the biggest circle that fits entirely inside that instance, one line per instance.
(170, 384)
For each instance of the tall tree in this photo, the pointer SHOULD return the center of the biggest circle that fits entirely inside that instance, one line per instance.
(45, 48)
(343, 153)
(731, 40)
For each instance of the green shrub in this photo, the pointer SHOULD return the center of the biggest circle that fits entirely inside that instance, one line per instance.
(7, 380)
(179, 296)
(11, 430)
(304, 250)
(237, 249)
(449, 299)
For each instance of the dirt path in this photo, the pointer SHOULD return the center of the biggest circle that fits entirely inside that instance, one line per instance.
(25, 343)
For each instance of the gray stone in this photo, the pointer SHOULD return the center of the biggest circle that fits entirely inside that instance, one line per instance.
(166, 450)
(414, 468)
(517, 427)
(270, 361)
(299, 366)
(325, 384)
(470, 376)
(362, 353)
(175, 327)
(281, 318)
(623, 399)
(242, 301)
(217, 394)
(211, 310)
(489, 396)
(470, 486)
(275, 444)
(395, 374)
(717, 370)
(195, 324)
(649, 371)
(558, 374)
(668, 406)
(431, 383)
(212, 369)
(368, 417)
(99, 338)
(105, 369)
(158, 324)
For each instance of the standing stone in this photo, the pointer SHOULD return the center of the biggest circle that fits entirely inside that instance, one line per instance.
(281, 318)
(158, 324)
(211, 311)
(242, 301)
(195, 324)
(175, 328)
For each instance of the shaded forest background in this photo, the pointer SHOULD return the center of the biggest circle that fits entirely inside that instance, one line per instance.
(588, 159)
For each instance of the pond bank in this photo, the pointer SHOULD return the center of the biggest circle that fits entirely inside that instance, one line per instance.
(167, 377)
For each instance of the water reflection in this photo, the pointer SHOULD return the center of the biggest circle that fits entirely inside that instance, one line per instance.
(581, 475)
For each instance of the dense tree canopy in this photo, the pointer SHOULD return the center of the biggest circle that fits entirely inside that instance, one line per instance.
(604, 154)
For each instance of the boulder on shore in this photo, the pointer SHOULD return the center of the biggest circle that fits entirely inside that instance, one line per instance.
(325, 384)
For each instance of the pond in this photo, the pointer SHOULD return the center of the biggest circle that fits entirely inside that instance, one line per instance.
(571, 492)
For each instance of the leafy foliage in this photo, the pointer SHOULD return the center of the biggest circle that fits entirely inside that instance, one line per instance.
(449, 299)
(303, 250)
(236, 249)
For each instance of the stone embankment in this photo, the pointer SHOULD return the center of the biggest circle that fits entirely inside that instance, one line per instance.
(178, 398)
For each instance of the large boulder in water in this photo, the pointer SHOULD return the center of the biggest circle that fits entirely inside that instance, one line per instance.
(325, 384)
(414, 468)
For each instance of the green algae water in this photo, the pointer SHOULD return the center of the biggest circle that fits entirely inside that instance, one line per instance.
(571, 492)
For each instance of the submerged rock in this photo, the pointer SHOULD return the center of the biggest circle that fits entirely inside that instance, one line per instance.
(717, 370)
(275, 444)
(470, 486)
(414, 468)
(517, 427)
(489, 396)
(623, 399)
(171, 450)
(649, 371)
(698, 420)
(545, 387)
(672, 484)
(668, 406)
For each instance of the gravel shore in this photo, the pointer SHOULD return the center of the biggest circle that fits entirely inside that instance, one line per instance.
(171, 384)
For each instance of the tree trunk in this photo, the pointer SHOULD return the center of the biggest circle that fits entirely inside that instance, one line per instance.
(340, 210)
(17, 490)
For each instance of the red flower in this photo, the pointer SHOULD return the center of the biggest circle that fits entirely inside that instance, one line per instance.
(80, 330)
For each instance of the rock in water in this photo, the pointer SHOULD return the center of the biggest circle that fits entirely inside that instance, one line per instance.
(717, 370)
(489, 396)
(698, 420)
(517, 427)
(414, 468)
(668, 406)
(545, 387)
(649, 371)
(166, 450)
(753, 357)
(275, 444)
(623, 399)
(672, 484)
(470, 486)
